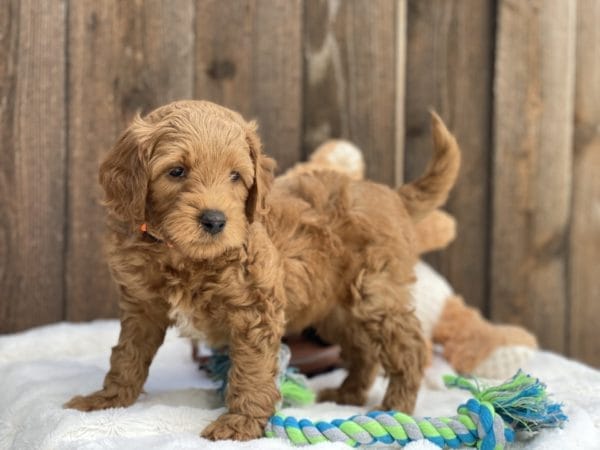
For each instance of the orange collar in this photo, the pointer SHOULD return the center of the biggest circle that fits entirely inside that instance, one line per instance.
(145, 232)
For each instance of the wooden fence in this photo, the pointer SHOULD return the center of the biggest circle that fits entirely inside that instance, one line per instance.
(518, 81)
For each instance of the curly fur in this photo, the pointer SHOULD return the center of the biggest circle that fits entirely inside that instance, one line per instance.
(315, 249)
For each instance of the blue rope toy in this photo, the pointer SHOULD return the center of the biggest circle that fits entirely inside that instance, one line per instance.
(487, 421)
(292, 384)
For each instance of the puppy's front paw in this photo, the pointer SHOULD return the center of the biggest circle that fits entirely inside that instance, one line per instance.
(103, 399)
(234, 426)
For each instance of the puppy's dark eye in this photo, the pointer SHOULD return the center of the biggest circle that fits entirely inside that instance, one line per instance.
(177, 172)
(234, 176)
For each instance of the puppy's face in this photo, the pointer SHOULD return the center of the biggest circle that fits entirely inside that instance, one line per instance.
(194, 172)
(198, 186)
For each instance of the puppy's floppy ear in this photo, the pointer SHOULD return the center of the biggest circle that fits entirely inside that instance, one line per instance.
(124, 173)
(264, 168)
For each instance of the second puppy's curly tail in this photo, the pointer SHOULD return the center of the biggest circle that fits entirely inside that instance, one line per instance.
(431, 190)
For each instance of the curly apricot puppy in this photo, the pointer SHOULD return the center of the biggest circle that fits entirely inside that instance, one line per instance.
(226, 263)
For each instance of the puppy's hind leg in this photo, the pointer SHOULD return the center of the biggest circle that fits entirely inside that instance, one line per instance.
(382, 328)
(403, 356)
(362, 364)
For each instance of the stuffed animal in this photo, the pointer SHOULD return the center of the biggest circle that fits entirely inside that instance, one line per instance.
(470, 343)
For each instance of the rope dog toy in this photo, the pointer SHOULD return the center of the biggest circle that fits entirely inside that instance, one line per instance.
(292, 385)
(488, 421)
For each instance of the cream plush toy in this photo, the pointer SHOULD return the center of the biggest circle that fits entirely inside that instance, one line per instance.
(470, 343)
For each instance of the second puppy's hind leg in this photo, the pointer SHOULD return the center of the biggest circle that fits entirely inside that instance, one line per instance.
(384, 312)
(403, 357)
(362, 364)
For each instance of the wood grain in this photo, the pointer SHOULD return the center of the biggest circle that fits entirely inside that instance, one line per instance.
(248, 57)
(508, 76)
(449, 68)
(32, 162)
(350, 89)
(123, 57)
(532, 165)
(584, 237)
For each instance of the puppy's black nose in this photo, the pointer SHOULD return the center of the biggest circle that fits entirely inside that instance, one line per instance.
(212, 221)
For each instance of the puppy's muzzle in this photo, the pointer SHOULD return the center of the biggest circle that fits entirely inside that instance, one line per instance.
(212, 221)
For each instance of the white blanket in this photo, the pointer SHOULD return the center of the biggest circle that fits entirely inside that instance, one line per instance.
(42, 368)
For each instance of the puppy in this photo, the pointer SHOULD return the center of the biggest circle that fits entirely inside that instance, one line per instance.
(201, 237)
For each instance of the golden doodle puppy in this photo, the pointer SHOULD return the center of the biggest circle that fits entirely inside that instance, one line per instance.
(202, 237)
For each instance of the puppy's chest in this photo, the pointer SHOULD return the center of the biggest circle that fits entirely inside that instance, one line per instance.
(198, 301)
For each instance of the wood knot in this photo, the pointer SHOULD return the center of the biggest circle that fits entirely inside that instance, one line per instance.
(221, 69)
(92, 22)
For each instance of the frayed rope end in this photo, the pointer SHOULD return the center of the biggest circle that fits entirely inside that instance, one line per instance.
(522, 401)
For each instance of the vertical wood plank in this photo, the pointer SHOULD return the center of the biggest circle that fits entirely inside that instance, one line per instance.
(32, 162)
(449, 67)
(123, 57)
(532, 165)
(585, 223)
(350, 88)
(400, 122)
(248, 58)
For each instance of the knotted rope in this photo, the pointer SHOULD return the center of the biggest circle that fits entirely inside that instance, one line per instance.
(292, 384)
(488, 421)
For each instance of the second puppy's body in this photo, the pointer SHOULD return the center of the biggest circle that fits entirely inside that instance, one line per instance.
(333, 232)
(228, 264)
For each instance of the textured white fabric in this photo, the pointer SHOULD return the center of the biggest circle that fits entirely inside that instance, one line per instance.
(430, 293)
(346, 155)
(503, 360)
(42, 368)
